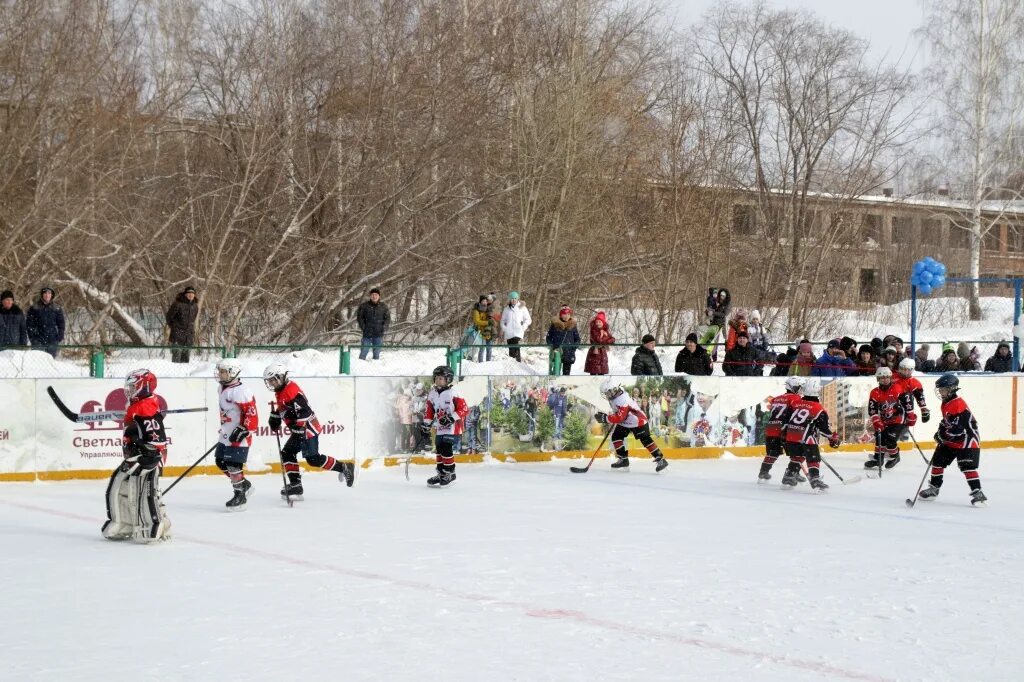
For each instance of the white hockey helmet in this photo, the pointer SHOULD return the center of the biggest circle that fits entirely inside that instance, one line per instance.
(610, 388)
(906, 368)
(275, 376)
(794, 384)
(227, 370)
(883, 373)
(812, 388)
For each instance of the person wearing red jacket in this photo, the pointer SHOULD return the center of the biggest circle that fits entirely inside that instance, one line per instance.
(135, 509)
(891, 410)
(807, 421)
(600, 337)
(627, 418)
(779, 409)
(958, 439)
(447, 412)
(238, 421)
(293, 410)
(912, 386)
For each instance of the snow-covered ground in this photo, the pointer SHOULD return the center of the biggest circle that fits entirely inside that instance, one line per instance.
(526, 572)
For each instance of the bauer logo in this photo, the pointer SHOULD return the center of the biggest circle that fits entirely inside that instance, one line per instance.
(114, 402)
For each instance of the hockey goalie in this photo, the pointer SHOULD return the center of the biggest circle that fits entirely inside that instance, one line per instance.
(134, 508)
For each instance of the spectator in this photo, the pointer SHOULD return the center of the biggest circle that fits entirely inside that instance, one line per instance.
(890, 358)
(1002, 361)
(13, 331)
(515, 321)
(741, 361)
(719, 305)
(967, 357)
(849, 346)
(866, 361)
(876, 345)
(483, 322)
(783, 361)
(45, 322)
(833, 362)
(948, 361)
(403, 406)
(564, 336)
(803, 363)
(373, 318)
(693, 358)
(736, 325)
(600, 337)
(921, 361)
(901, 353)
(645, 360)
(558, 401)
(181, 323)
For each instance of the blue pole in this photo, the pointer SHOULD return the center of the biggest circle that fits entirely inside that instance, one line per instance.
(1016, 320)
(913, 320)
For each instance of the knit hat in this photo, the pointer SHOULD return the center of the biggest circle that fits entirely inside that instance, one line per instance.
(647, 338)
(741, 314)
(963, 350)
(375, 290)
(7, 293)
(565, 310)
(834, 343)
(865, 348)
(189, 290)
(892, 350)
(691, 337)
(805, 347)
(742, 335)
(755, 314)
(513, 295)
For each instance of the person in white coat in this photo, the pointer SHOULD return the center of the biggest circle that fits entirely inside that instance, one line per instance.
(515, 320)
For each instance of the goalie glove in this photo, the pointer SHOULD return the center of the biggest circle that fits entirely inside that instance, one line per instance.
(141, 455)
(833, 440)
(925, 414)
(601, 418)
(238, 434)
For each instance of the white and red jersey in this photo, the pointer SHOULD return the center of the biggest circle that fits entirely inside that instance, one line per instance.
(958, 428)
(237, 408)
(446, 404)
(626, 412)
(807, 420)
(779, 409)
(892, 404)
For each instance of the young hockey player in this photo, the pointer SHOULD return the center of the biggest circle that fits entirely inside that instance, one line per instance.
(134, 507)
(238, 420)
(957, 439)
(808, 420)
(446, 412)
(891, 411)
(292, 409)
(627, 418)
(779, 409)
(912, 386)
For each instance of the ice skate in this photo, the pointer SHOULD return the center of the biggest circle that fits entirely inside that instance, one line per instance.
(347, 475)
(892, 461)
(293, 492)
(242, 493)
(978, 498)
(621, 463)
(659, 464)
(929, 493)
(818, 485)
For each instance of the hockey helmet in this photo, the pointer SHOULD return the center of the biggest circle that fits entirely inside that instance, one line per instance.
(794, 384)
(946, 386)
(445, 372)
(227, 370)
(812, 388)
(884, 376)
(139, 384)
(275, 376)
(610, 388)
(906, 368)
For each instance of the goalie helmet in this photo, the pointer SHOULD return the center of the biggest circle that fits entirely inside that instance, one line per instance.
(884, 376)
(812, 388)
(443, 371)
(794, 384)
(906, 368)
(139, 384)
(227, 370)
(275, 376)
(610, 388)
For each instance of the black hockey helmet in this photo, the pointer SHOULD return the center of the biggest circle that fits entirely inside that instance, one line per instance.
(443, 371)
(946, 386)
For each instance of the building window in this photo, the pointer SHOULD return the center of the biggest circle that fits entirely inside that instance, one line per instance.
(873, 228)
(931, 230)
(1015, 238)
(959, 237)
(902, 230)
(992, 241)
(743, 221)
(869, 285)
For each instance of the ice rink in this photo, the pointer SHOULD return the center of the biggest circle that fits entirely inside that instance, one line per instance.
(526, 572)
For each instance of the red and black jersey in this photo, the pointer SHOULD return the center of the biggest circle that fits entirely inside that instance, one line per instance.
(144, 423)
(807, 420)
(779, 409)
(892, 404)
(912, 386)
(958, 428)
(294, 410)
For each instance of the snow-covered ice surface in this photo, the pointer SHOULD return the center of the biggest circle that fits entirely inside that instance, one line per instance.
(526, 572)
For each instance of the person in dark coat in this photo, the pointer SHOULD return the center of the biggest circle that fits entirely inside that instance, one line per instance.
(1002, 361)
(373, 318)
(693, 358)
(600, 338)
(564, 336)
(867, 363)
(741, 361)
(13, 330)
(45, 322)
(645, 360)
(783, 362)
(181, 320)
(921, 361)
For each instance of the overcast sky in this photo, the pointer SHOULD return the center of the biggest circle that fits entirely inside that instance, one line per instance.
(887, 24)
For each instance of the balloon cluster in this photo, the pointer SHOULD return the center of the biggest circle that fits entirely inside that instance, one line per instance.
(928, 275)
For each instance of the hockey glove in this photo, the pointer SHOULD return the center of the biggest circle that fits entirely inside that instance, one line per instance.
(238, 434)
(925, 414)
(833, 441)
(601, 418)
(147, 456)
(274, 422)
(445, 420)
(876, 422)
(938, 438)
(911, 418)
(425, 428)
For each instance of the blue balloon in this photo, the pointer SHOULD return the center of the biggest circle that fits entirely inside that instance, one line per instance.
(938, 281)
(941, 269)
(925, 289)
(925, 277)
(929, 260)
(919, 267)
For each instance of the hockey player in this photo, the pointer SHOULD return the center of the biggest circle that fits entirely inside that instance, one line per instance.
(912, 386)
(957, 439)
(807, 421)
(779, 409)
(238, 420)
(134, 508)
(627, 418)
(446, 412)
(891, 411)
(292, 409)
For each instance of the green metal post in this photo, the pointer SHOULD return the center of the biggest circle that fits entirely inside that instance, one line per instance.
(346, 360)
(554, 362)
(96, 361)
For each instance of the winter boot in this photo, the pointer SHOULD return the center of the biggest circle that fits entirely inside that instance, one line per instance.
(818, 484)
(242, 492)
(621, 463)
(892, 461)
(660, 463)
(347, 473)
(929, 493)
(292, 491)
(978, 498)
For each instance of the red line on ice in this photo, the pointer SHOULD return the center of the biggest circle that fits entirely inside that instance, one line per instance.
(527, 609)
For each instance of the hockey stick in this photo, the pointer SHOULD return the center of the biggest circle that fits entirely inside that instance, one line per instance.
(918, 446)
(911, 502)
(113, 415)
(183, 475)
(845, 481)
(583, 470)
(280, 458)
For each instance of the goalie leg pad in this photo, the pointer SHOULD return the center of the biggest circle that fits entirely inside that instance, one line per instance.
(121, 511)
(152, 524)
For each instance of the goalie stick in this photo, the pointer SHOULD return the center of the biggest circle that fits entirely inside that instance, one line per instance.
(113, 415)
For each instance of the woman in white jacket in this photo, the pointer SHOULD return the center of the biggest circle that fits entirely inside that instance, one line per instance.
(515, 320)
